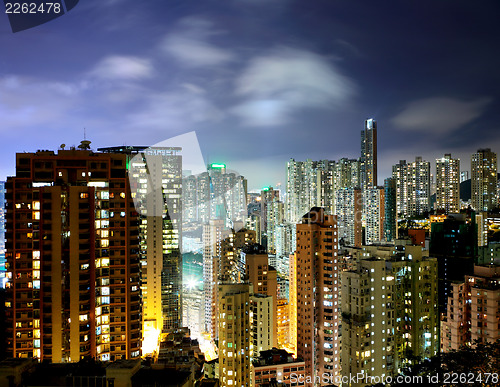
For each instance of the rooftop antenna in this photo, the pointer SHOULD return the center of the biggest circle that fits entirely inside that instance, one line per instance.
(85, 144)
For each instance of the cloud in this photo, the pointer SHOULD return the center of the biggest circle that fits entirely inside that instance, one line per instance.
(123, 68)
(195, 53)
(439, 114)
(275, 86)
(190, 44)
(175, 110)
(262, 112)
(30, 102)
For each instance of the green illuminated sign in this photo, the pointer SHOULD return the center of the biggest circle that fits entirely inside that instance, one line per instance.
(218, 166)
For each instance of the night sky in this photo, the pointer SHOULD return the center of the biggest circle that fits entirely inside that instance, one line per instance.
(259, 81)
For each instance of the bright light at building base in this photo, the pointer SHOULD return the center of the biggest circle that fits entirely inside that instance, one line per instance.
(150, 341)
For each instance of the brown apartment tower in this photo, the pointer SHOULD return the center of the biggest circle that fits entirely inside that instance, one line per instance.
(317, 294)
(73, 287)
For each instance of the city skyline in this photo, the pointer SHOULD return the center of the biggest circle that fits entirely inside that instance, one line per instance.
(258, 82)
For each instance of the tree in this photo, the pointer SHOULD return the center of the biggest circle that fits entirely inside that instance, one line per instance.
(473, 363)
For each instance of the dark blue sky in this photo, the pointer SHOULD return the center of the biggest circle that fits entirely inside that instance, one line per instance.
(259, 81)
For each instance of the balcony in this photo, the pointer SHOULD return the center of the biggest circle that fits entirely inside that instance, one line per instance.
(355, 319)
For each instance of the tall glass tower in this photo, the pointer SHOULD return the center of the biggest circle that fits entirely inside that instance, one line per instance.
(369, 154)
(155, 176)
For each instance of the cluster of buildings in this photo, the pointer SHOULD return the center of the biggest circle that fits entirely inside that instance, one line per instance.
(331, 277)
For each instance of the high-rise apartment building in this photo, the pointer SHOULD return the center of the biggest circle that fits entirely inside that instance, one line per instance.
(448, 184)
(253, 222)
(309, 184)
(222, 263)
(275, 216)
(400, 176)
(419, 187)
(218, 193)
(268, 196)
(369, 154)
(390, 207)
(262, 324)
(292, 302)
(155, 176)
(2, 234)
(234, 334)
(283, 323)
(347, 173)
(367, 321)
(484, 180)
(317, 293)
(326, 184)
(73, 257)
(482, 228)
(349, 210)
(263, 279)
(285, 234)
(415, 301)
(389, 310)
(413, 187)
(473, 310)
(302, 188)
(374, 214)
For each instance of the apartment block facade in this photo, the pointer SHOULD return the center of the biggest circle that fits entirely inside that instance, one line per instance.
(73, 286)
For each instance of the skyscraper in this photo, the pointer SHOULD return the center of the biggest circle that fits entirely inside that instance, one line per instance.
(389, 310)
(309, 184)
(448, 184)
(400, 176)
(374, 214)
(2, 234)
(263, 279)
(268, 196)
(218, 193)
(369, 154)
(390, 221)
(301, 188)
(262, 324)
(419, 187)
(347, 173)
(292, 302)
(283, 323)
(367, 321)
(72, 257)
(155, 176)
(285, 235)
(317, 293)
(349, 208)
(222, 263)
(234, 334)
(413, 187)
(274, 214)
(484, 180)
